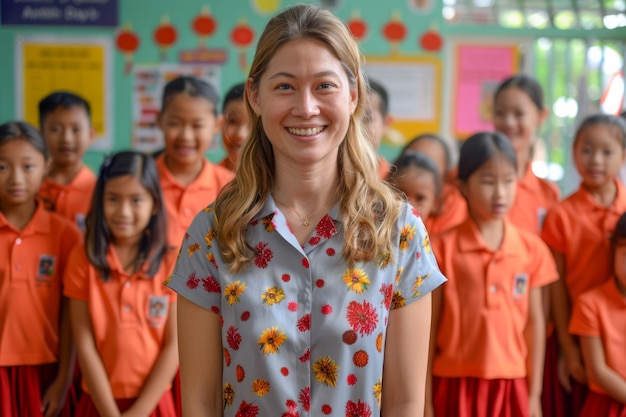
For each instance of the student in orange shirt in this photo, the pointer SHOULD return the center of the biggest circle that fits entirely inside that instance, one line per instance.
(123, 318)
(236, 127)
(495, 271)
(519, 112)
(378, 119)
(65, 122)
(36, 356)
(417, 177)
(577, 231)
(189, 120)
(452, 209)
(599, 320)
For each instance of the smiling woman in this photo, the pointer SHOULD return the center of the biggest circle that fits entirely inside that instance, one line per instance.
(307, 256)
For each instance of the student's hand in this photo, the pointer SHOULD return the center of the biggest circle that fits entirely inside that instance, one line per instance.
(429, 409)
(54, 399)
(570, 364)
(534, 407)
(133, 412)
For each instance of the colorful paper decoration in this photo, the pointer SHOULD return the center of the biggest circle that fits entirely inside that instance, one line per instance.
(431, 40)
(394, 32)
(242, 36)
(127, 42)
(165, 35)
(357, 26)
(204, 25)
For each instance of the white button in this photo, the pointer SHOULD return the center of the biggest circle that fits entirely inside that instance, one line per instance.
(493, 288)
(186, 212)
(127, 284)
(18, 267)
(127, 308)
(18, 241)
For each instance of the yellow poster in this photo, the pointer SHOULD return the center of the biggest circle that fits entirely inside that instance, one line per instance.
(74, 65)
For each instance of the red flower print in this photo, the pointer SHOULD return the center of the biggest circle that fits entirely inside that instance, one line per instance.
(327, 309)
(210, 284)
(327, 409)
(415, 212)
(286, 278)
(418, 255)
(186, 235)
(264, 255)
(215, 309)
(305, 262)
(304, 323)
(319, 283)
(326, 227)
(349, 337)
(351, 379)
(314, 240)
(305, 398)
(292, 409)
(362, 317)
(192, 281)
(330, 252)
(227, 357)
(387, 291)
(241, 374)
(292, 306)
(306, 356)
(245, 316)
(284, 370)
(233, 338)
(291, 404)
(358, 410)
(360, 358)
(247, 410)
(254, 222)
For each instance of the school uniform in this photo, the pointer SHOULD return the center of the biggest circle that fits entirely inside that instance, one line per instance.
(33, 263)
(453, 211)
(480, 362)
(183, 202)
(533, 198)
(601, 312)
(128, 314)
(72, 200)
(383, 167)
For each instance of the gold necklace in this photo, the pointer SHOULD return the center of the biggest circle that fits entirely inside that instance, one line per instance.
(306, 219)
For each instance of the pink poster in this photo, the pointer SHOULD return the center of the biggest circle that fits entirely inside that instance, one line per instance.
(479, 71)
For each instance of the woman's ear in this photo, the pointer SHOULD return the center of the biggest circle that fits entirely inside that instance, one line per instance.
(252, 94)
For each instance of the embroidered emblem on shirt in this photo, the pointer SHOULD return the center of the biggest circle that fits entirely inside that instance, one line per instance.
(45, 271)
(157, 310)
(520, 285)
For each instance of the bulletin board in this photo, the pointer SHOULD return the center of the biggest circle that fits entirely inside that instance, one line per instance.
(414, 87)
(81, 65)
(479, 69)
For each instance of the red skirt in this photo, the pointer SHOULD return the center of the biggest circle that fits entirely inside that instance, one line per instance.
(602, 405)
(165, 407)
(176, 394)
(474, 397)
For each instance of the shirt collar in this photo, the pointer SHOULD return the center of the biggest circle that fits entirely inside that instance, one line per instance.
(470, 239)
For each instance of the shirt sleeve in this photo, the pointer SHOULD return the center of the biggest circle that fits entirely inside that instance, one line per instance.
(553, 230)
(584, 321)
(418, 273)
(544, 271)
(76, 275)
(196, 275)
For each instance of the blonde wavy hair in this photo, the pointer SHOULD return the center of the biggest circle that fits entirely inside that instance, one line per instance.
(369, 207)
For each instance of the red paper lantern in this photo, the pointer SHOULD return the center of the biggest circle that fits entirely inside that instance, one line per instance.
(165, 35)
(431, 40)
(242, 36)
(204, 25)
(395, 32)
(127, 42)
(358, 27)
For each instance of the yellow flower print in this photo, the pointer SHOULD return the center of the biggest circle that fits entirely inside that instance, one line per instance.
(326, 371)
(229, 395)
(267, 223)
(168, 280)
(260, 387)
(383, 259)
(399, 274)
(233, 291)
(418, 283)
(208, 238)
(379, 342)
(378, 390)
(207, 209)
(426, 243)
(356, 280)
(406, 236)
(271, 340)
(398, 300)
(191, 249)
(273, 295)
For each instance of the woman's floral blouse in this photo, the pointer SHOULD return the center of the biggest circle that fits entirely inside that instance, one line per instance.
(303, 334)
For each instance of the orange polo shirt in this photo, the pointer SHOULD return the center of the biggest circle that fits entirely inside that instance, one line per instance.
(32, 262)
(182, 203)
(601, 312)
(533, 198)
(128, 315)
(73, 200)
(580, 229)
(452, 213)
(486, 300)
(383, 167)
